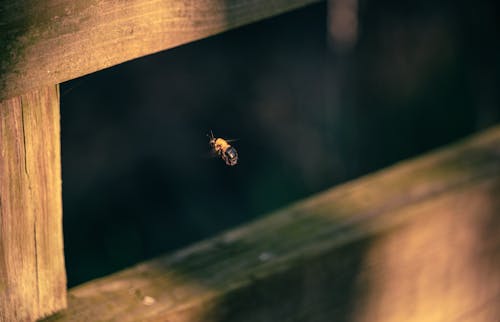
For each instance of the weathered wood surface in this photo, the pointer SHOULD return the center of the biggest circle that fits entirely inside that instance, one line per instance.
(49, 42)
(32, 274)
(419, 241)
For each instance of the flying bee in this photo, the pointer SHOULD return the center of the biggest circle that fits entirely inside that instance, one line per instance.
(223, 149)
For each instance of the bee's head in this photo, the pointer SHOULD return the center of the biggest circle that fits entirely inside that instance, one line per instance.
(211, 138)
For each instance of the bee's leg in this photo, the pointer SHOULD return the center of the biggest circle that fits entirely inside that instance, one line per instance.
(226, 160)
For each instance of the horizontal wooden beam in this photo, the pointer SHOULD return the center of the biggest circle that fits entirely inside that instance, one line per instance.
(419, 241)
(49, 42)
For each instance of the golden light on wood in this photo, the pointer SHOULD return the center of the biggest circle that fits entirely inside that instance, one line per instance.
(32, 275)
(440, 266)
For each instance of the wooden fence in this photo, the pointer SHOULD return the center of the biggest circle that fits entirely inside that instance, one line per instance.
(419, 241)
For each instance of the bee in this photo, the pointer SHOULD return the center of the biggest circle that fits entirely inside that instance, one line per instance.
(223, 149)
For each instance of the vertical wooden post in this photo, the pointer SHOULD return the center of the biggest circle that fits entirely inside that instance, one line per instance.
(32, 274)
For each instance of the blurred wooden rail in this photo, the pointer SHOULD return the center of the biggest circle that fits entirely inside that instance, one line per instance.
(48, 42)
(419, 241)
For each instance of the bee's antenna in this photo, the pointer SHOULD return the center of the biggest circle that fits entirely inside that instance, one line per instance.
(211, 136)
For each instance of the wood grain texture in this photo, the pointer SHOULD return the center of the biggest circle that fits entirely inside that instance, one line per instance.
(419, 241)
(49, 42)
(32, 274)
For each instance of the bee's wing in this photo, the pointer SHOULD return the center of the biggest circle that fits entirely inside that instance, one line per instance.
(212, 153)
(231, 140)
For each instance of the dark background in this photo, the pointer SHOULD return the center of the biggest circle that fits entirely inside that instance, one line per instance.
(309, 112)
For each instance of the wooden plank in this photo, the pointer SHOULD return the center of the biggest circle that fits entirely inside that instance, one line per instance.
(32, 274)
(49, 42)
(419, 241)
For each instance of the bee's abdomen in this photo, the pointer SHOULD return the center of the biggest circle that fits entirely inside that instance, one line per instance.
(230, 156)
